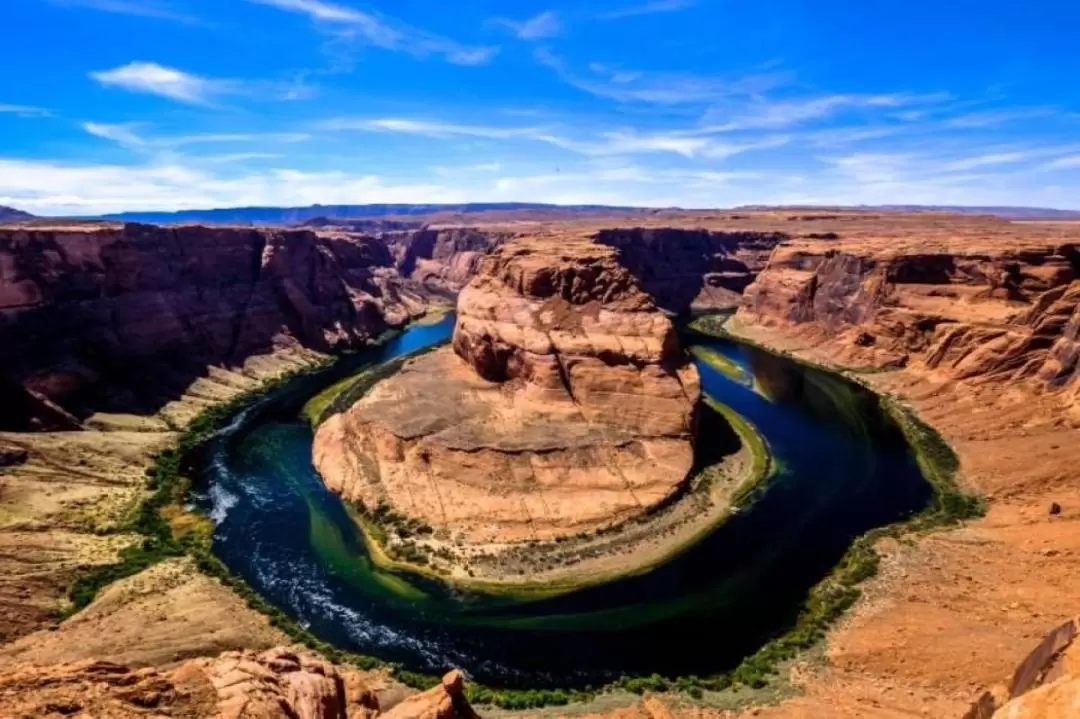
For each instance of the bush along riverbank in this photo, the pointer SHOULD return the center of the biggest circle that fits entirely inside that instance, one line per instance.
(168, 530)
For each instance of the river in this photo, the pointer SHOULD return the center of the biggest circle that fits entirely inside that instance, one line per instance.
(843, 468)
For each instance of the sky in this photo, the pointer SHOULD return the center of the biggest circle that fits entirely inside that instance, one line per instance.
(112, 105)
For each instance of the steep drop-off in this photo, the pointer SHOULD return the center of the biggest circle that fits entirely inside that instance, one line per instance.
(442, 259)
(699, 269)
(123, 318)
(566, 405)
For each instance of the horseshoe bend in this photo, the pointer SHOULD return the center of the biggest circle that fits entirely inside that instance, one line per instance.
(835, 448)
(564, 406)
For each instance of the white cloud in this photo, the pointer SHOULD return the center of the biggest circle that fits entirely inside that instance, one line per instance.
(139, 8)
(123, 134)
(992, 118)
(775, 114)
(480, 167)
(54, 188)
(989, 159)
(648, 8)
(379, 31)
(24, 111)
(428, 129)
(544, 25)
(57, 188)
(616, 142)
(634, 86)
(154, 79)
(129, 135)
(1063, 163)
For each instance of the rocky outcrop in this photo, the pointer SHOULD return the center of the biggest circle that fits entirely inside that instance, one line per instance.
(565, 406)
(122, 318)
(444, 260)
(276, 684)
(699, 269)
(986, 312)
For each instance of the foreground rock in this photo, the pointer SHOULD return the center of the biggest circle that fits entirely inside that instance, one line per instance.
(565, 406)
(276, 684)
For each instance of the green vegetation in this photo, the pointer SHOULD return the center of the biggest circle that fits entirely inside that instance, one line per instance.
(314, 410)
(711, 324)
(763, 466)
(722, 364)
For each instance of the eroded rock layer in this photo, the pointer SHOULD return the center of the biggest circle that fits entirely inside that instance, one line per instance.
(122, 318)
(702, 269)
(443, 259)
(566, 405)
(975, 309)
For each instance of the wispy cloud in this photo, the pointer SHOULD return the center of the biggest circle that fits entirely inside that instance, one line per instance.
(658, 88)
(350, 24)
(688, 144)
(457, 170)
(544, 25)
(130, 135)
(428, 128)
(63, 188)
(139, 8)
(992, 118)
(153, 79)
(24, 110)
(648, 8)
(989, 160)
(1063, 163)
(775, 114)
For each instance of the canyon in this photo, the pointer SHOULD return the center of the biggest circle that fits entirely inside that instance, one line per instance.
(565, 406)
(119, 333)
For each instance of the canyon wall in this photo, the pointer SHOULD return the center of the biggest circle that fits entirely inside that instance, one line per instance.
(444, 260)
(693, 268)
(566, 405)
(122, 318)
(975, 310)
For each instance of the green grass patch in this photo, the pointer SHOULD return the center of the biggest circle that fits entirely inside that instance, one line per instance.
(722, 364)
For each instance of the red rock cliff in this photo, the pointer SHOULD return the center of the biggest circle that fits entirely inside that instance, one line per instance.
(965, 308)
(120, 318)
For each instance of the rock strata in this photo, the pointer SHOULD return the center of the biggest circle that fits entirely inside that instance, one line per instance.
(110, 318)
(699, 269)
(985, 311)
(565, 406)
(443, 260)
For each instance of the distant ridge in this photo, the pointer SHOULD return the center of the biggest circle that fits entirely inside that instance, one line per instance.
(10, 214)
(298, 215)
(1002, 211)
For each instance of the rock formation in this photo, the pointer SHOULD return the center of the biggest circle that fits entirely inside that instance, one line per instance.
(566, 405)
(276, 684)
(980, 311)
(444, 260)
(122, 318)
(703, 269)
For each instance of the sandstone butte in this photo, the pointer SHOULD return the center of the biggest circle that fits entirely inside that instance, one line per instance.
(973, 322)
(565, 405)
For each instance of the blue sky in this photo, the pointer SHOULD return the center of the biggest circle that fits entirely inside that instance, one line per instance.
(111, 105)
